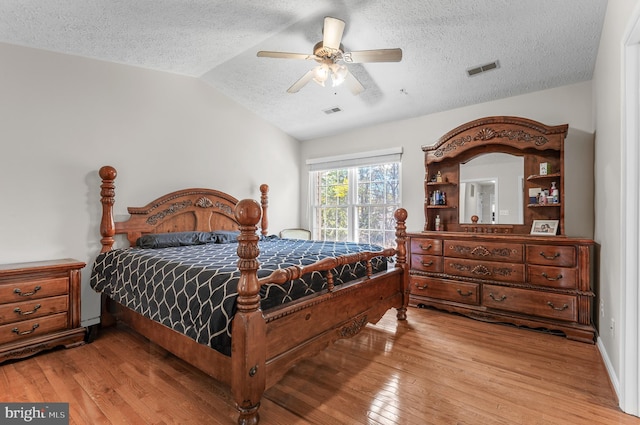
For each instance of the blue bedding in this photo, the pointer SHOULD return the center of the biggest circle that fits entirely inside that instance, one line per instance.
(193, 289)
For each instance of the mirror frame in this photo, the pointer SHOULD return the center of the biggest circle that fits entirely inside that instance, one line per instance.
(536, 142)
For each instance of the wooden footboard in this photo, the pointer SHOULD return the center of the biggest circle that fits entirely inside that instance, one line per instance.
(265, 346)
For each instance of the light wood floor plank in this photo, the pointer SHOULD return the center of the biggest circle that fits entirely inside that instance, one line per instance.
(436, 368)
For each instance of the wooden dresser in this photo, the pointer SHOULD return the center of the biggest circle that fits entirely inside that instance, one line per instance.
(537, 282)
(39, 307)
(494, 244)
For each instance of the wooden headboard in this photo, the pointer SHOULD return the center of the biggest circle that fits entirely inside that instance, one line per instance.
(194, 209)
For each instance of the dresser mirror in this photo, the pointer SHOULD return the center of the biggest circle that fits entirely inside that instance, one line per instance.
(491, 188)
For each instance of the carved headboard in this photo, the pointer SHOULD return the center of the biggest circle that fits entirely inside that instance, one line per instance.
(193, 209)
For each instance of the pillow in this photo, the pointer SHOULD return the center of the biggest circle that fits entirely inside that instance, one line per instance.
(226, 236)
(166, 240)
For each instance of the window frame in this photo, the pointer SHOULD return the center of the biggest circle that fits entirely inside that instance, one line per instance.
(352, 205)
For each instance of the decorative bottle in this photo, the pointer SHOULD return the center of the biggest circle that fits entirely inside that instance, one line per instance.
(555, 193)
(437, 223)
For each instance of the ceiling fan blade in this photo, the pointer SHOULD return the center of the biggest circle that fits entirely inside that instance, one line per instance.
(301, 82)
(354, 85)
(332, 32)
(380, 55)
(285, 55)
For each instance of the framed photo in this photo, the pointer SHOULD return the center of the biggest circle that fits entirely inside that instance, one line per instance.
(544, 227)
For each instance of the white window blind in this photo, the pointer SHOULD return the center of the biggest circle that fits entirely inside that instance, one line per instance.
(358, 159)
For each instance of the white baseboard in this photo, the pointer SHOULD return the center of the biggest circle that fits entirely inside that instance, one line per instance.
(607, 364)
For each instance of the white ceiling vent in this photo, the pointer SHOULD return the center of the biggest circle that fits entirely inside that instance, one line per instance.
(332, 110)
(483, 68)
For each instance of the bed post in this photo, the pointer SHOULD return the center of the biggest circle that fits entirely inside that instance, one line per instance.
(401, 259)
(248, 338)
(264, 201)
(107, 198)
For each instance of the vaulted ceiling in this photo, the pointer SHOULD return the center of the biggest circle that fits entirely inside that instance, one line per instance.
(537, 45)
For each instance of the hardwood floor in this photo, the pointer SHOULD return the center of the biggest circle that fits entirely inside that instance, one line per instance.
(436, 368)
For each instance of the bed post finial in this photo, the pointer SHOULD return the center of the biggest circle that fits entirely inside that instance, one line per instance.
(108, 175)
(264, 201)
(248, 337)
(401, 259)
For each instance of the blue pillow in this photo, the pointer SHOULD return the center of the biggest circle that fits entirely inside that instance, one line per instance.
(226, 236)
(171, 239)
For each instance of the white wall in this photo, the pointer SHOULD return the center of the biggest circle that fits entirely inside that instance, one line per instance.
(63, 117)
(608, 99)
(568, 104)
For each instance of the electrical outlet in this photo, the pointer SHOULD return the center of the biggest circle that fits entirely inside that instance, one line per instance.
(612, 327)
(602, 308)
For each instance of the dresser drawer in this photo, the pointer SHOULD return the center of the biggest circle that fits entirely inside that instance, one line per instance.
(25, 310)
(486, 251)
(541, 304)
(467, 293)
(33, 289)
(487, 270)
(552, 255)
(426, 246)
(426, 263)
(31, 328)
(553, 277)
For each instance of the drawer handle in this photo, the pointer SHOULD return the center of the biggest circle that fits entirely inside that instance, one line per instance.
(493, 297)
(547, 257)
(33, 328)
(27, 294)
(429, 264)
(428, 247)
(564, 307)
(468, 294)
(425, 286)
(546, 276)
(26, 313)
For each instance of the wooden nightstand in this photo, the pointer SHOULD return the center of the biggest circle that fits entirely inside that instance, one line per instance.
(39, 307)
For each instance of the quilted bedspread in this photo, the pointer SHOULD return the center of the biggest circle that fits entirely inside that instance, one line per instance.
(193, 289)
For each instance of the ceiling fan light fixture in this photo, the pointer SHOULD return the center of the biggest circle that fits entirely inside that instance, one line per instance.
(321, 73)
(338, 74)
(331, 58)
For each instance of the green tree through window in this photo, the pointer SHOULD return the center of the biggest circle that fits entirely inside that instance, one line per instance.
(356, 204)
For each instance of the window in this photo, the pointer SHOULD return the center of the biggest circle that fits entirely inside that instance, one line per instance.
(356, 203)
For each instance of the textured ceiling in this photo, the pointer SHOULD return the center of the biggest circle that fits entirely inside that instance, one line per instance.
(539, 44)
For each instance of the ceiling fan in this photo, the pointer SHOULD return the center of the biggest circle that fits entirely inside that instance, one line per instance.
(331, 57)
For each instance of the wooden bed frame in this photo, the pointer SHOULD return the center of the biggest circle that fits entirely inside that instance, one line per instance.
(265, 344)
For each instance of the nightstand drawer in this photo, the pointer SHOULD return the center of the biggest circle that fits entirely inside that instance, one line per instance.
(16, 312)
(33, 289)
(33, 327)
(461, 292)
(542, 304)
